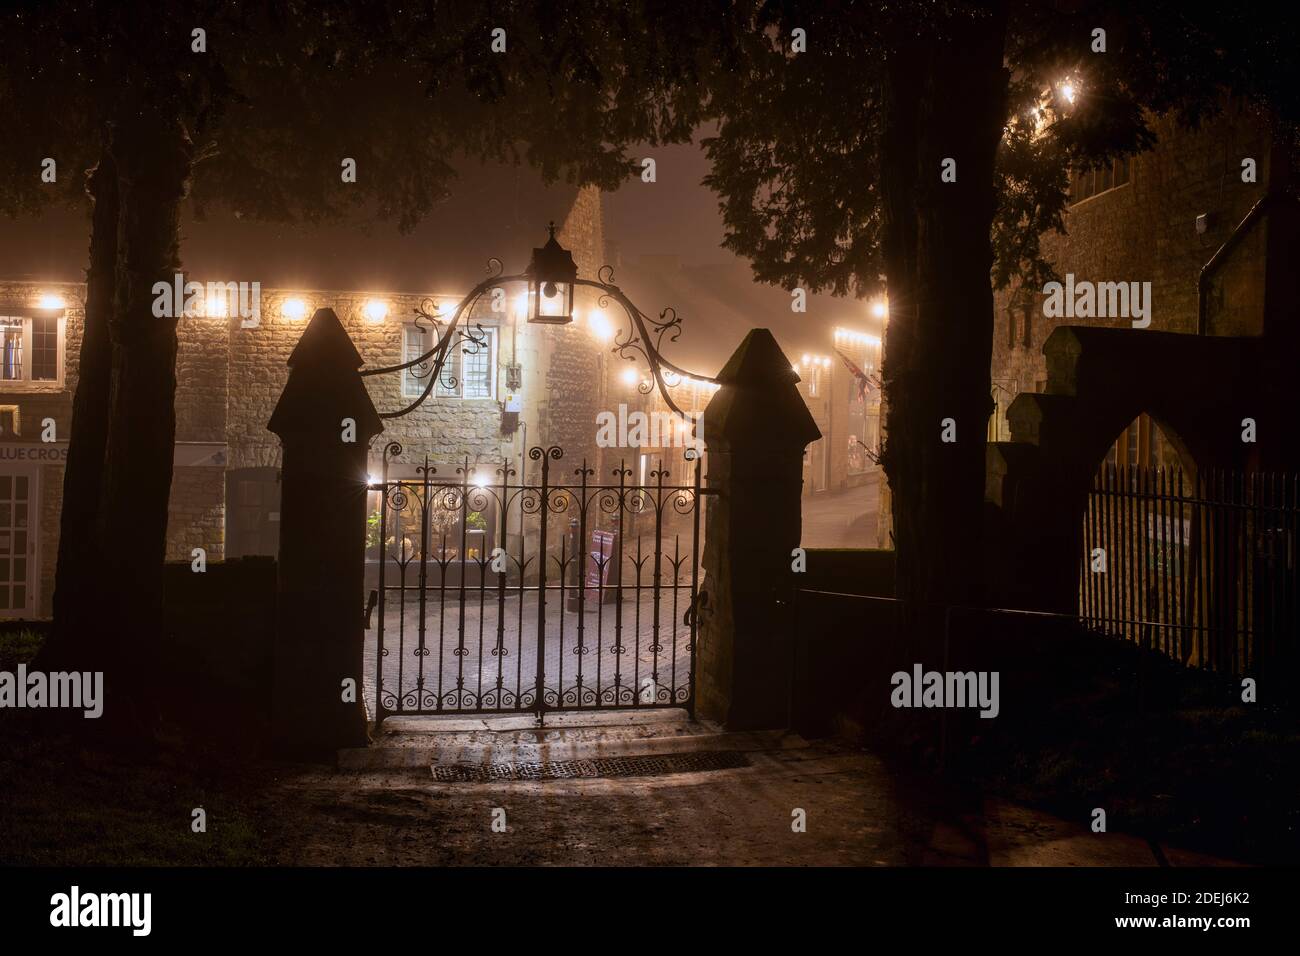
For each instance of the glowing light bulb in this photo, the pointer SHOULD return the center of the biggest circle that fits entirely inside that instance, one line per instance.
(600, 325)
(375, 311)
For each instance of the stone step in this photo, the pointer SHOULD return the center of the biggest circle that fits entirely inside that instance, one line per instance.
(482, 748)
(650, 718)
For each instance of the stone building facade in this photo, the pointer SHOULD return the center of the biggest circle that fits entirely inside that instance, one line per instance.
(1156, 217)
(1204, 227)
(841, 388)
(525, 385)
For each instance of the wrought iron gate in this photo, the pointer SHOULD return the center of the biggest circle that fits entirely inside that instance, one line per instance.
(504, 597)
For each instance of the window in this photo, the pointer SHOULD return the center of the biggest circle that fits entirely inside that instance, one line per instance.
(416, 340)
(31, 347)
(17, 495)
(1086, 183)
(10, 422)
(470, 371)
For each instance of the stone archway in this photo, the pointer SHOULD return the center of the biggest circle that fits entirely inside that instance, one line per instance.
(1098, 380)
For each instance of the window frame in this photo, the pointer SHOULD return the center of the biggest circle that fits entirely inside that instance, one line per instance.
(28, 315)
(456, 360)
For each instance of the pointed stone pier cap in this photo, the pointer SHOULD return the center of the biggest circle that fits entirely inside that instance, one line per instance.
(759, 401)
(324, 386)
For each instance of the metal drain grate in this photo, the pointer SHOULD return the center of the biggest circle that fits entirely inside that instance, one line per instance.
(648, 766)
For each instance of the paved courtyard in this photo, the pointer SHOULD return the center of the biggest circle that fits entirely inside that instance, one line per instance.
(842, 519)
(786, 802)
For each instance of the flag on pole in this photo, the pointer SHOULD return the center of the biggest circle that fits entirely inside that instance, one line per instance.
(859, 376)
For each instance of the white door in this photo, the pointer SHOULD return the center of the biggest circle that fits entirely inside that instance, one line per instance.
(17, 542)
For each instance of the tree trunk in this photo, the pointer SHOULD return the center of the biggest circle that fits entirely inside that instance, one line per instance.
(76, 575)
(945, 98)
(154, 155)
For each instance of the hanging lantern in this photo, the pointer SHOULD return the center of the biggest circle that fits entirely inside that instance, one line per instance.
(551, 275)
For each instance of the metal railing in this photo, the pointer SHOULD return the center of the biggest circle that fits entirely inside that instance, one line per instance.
(1202, 569)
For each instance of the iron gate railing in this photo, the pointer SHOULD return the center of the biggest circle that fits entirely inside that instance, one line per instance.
(497, 597)
(1203, 570)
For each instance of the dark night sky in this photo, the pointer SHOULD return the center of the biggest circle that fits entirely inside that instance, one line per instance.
(498, 211)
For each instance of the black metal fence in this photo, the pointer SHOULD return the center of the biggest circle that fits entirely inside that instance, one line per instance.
(1202, 569)
(559, 594)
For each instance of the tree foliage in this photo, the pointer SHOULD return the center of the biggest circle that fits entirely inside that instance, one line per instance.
(797, 155)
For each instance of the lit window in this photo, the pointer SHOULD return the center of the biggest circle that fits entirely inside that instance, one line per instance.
(476, 369)
(30, 349)
(470, 370)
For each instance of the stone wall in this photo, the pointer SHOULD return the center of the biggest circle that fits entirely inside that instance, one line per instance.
(196, 513)
(202, 380)
(446, 429)
(573, 385)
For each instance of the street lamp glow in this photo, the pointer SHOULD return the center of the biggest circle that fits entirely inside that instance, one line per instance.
(630, 376)
(51, 301)
(375, 311)
(600, 325)
(216, 307)
(295, 309)
(879, 309)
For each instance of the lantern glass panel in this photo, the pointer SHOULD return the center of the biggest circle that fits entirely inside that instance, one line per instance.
(551, 300)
